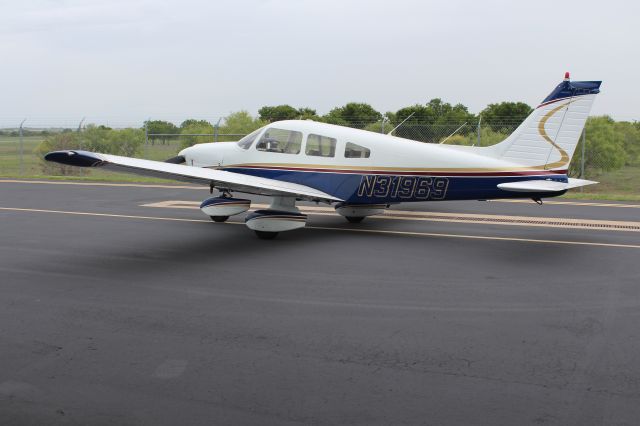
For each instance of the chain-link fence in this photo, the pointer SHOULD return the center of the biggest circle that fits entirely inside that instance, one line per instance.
(22, 148)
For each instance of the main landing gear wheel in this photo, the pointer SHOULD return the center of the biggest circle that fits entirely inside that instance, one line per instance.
(355, 219)
(265, 235)
(219, 218)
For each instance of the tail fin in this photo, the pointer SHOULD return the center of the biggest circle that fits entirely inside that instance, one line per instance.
(548, 138)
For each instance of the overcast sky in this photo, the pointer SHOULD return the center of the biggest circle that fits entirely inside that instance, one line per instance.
(121, 61)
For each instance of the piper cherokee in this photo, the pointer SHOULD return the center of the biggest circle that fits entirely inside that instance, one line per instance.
(362, 173)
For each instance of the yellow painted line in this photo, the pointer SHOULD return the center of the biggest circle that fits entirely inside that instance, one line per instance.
(125, 216)
(571, 203)
(480, 237)
(133, 185)
(484, 219)
(370, 231)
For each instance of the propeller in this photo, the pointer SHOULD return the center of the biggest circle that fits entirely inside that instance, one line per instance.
(179, 159)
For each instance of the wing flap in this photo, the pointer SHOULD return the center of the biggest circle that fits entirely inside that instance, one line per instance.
(219, 178)
(544, 185)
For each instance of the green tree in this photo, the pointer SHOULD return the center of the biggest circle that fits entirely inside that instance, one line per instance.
(285, 112)
(630, 133)
(157, 127)
(188, 138)
(433, 121)
(605, 150)
(126, 142)
(353, 114)
(307, 114)
(505, 115)
(239, 123)
(192, 121)
(278, 113)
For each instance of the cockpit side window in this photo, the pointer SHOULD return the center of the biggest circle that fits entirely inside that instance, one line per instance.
(245, 142)
(281, 141)
(320, 146)
(353, 150)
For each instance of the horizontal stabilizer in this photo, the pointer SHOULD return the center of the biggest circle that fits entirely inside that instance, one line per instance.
(544, 185)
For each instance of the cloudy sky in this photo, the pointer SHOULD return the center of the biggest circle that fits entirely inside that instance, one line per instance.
(121, 61)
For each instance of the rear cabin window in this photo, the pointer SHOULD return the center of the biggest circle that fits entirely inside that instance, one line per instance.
(281, 141)
(320, 146)
(353, 150)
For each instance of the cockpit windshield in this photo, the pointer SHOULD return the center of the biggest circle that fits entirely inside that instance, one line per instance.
(245, 142)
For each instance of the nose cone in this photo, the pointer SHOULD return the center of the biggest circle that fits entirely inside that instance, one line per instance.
(203, 155)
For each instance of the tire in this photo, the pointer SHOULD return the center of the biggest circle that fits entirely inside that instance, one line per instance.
(219, 218)
(355, 219)
(265, 235)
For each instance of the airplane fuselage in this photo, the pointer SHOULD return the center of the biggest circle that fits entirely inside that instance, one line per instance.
(395, 170)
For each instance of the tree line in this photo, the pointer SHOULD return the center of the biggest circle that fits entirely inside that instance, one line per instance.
(610, 144)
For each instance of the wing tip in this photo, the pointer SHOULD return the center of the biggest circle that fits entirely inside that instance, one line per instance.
(74, 158)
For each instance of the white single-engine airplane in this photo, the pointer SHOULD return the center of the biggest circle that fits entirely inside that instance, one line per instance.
(362, 172)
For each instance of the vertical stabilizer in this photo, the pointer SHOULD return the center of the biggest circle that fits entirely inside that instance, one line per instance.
(548, 137)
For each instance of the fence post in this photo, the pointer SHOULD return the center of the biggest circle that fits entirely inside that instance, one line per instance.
(81, 171)
(382, 128)
(479, 121)
(215, 130)
(584, 147)
(21, 149)
(146, 138)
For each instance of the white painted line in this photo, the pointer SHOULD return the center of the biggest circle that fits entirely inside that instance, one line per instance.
(371, 231)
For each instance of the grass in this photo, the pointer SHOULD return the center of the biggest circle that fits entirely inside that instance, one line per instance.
(618, 185)
(32, 164)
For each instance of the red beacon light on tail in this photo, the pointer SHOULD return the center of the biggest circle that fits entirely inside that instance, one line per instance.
(566, 76)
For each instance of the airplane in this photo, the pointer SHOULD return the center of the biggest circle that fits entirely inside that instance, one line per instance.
(362, 173)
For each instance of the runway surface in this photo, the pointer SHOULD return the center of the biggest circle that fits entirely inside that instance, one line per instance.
(124, 305)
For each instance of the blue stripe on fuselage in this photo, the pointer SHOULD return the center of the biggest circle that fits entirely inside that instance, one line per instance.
(389, 189)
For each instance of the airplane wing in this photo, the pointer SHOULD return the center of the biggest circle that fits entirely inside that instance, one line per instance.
(544, 185)
(218, 178)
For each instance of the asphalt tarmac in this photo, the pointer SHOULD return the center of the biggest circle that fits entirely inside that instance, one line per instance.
(116, 312)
